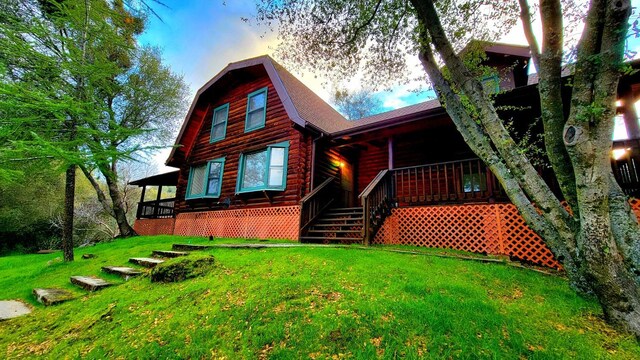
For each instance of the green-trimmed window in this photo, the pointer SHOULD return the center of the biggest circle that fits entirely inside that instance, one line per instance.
(219, 123)
(265, 169)
(474, 182)
(205, 181)
(491, 84)
(256, 110)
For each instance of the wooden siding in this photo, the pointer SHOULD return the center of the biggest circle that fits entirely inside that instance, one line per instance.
(278, 128)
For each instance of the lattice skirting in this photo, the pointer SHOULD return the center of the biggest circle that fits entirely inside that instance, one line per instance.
(486, 228)
(259, 223)
(154, 226)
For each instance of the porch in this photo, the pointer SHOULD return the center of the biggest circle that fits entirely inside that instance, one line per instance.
(162, 189)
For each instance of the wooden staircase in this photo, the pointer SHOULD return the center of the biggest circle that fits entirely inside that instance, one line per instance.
(336, 225)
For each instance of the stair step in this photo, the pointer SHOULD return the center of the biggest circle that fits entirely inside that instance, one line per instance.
(124, 271)
(334, 231)
(169, 254)
(52, 296)
(339, 219)
(189, 247)
(353, 239)
(336, 225)
(347, 209)
(342, 213)
(90, 283)
(146, 262)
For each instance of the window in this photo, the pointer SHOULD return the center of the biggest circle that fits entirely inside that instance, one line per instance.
(256, 110)
(474, 183)
(219, 123)
(264, 169)
(205, 181)
(491, 84)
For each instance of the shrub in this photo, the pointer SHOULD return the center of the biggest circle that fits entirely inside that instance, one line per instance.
(182, 268)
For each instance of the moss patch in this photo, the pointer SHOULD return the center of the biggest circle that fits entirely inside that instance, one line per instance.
(182, 268)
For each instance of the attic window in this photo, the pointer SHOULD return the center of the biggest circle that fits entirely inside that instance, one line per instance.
(265, 169)
(219, 123)
(205, 181)
(256, 110)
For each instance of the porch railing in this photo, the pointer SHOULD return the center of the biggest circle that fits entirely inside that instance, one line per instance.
(453, 181)
(626, 165)
(312, 205)
(446, 182)
(377, 201)
(156, 209)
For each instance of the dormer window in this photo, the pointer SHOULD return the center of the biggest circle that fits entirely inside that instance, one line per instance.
(219, 123)
(256, 110)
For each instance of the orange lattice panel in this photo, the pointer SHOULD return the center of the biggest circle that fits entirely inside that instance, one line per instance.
(154, 226)
(259, 223)
(488, 229)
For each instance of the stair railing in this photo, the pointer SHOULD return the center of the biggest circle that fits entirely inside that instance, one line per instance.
(312, 205)
(377, 200)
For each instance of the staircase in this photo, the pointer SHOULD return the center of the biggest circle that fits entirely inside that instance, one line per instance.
(336, 225)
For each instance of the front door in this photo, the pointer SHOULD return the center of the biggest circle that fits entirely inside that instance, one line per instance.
(347, 184)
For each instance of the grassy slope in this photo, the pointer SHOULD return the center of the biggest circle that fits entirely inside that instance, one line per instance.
(300, 303)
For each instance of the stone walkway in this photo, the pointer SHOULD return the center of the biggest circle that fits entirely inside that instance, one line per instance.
(11, 308)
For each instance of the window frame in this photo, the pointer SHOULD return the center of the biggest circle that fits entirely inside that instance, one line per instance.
(204, 195)
(264, 110)
(241, 169)
(213, 119)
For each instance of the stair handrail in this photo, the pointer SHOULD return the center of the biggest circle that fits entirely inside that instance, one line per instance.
(314, 203)
(376, 200)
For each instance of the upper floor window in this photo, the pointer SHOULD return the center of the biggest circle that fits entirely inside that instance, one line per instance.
(264, 169)
(219, 123)
(205, 180)
(491, 84)
(256, 110)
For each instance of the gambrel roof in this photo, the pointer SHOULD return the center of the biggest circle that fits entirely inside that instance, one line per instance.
(302, 105)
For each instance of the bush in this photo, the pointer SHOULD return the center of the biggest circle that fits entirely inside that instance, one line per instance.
(182, 268)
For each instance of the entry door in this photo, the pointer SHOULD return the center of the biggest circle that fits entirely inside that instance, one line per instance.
(347, 184)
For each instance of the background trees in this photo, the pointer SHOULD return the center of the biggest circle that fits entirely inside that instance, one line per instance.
(74, 88)
(356, 104)
(598, 242)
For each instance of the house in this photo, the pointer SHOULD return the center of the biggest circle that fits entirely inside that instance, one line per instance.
(261, 156)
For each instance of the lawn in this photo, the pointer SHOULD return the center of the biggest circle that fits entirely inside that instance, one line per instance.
(304, 303)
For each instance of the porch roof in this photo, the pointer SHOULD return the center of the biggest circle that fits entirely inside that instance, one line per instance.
(166, 179)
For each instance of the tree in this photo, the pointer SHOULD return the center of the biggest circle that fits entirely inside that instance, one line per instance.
(358, 104)
(57, 60)
(598, 241)
(143, 111)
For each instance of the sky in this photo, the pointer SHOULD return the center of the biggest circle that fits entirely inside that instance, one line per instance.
(198, 38)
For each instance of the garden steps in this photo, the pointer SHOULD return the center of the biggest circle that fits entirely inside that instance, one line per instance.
(169, 254)
(52, 296)
(124, 271)
(190, 247)
(90, 283)
(146, 262)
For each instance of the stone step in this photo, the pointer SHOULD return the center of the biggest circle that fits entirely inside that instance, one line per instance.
(146, 262)
(89, 283)
(10, 309)
(52, 296)
(189, 247)
(169, 254)
(126, 272)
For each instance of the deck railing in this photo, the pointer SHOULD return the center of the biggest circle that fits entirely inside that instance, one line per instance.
(626, 166)
(453, 181)
(156, 209)
(312, 205)
(377, 201)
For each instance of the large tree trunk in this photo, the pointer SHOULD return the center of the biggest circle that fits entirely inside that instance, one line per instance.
(598, 244)
(67, 226)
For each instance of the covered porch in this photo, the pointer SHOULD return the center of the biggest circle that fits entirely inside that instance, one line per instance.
(162, 188)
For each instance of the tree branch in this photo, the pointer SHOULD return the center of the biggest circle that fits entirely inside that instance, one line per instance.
(525, 17)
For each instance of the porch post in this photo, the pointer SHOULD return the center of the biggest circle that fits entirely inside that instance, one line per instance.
(139, 211)
(156, 207)
(390, 149)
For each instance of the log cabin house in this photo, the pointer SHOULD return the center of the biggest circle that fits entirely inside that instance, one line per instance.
(261, 156)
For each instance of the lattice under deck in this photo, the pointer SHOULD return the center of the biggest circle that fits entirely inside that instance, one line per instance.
(263, 223)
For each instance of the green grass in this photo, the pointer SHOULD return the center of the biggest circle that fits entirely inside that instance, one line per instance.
(304, 303)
